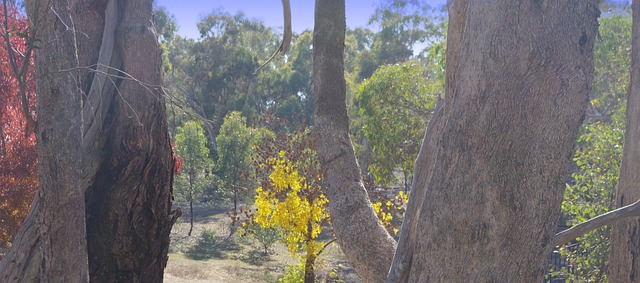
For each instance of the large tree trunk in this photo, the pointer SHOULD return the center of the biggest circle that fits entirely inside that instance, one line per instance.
(624, 259)
(126, 164)
(515, 104)
(51, 246)
(365, 242)
(518, 79)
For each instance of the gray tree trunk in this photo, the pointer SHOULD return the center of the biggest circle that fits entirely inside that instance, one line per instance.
(624, 258)
(518, 78)
(108, 61)
(515, 102)
(54, 240)
(365, 242)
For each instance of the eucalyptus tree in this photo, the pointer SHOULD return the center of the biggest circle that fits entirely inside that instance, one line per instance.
(235, 147)
(495, 153)
(191, 145)
(396, 103)
(216, 73)
(403, 25)
(103, 207)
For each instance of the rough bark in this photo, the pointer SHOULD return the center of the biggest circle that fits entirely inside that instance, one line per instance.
(624, 259)
(365, 242)
(130, 218)
(22, 263)
(51, 247)
(515, 104)
(123, 145)
(61, 214)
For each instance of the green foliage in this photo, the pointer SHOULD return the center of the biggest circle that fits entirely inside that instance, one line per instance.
(294, 274)
(214, 75)
(235, 148)
(208, 237)
(207, 246)
(395, 104)
(593, 193)
(265, 236)
(191, 146)
(612, 64)
(165, 24)
(599, 151)
(404, 24)
(166, 29)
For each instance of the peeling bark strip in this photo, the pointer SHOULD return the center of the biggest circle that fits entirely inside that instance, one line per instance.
(127, 166)
(129, 217)
(365, 242)
(100, 96)
(624, 258)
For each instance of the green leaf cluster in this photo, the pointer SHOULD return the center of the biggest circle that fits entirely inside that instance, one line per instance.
(235, 148)
(191, 145)
(396, 104)
(599, 150)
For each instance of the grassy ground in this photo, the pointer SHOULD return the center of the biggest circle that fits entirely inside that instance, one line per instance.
(209, 255)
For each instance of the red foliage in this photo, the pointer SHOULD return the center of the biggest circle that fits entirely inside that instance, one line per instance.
(177, 160)
(18, 154)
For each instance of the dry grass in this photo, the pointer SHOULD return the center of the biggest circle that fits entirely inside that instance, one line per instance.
(214, 259)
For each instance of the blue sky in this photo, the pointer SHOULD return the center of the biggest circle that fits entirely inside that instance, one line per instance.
(188, 12)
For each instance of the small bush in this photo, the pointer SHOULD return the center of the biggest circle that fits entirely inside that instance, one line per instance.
(294, 274)
(265, 237)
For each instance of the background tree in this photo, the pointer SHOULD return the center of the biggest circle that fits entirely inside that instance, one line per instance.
(166, 29)
(18, 154)
(235, 148)
(367, 245)
(396, 103)
(191, 144)
(403, 25)
(214, 74)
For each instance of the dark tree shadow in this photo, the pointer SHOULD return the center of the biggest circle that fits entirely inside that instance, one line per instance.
(255, 257)
(211, 246)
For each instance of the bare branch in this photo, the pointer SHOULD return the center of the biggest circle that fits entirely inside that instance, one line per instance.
(286, 37)
(632, 210)
(20, 72)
